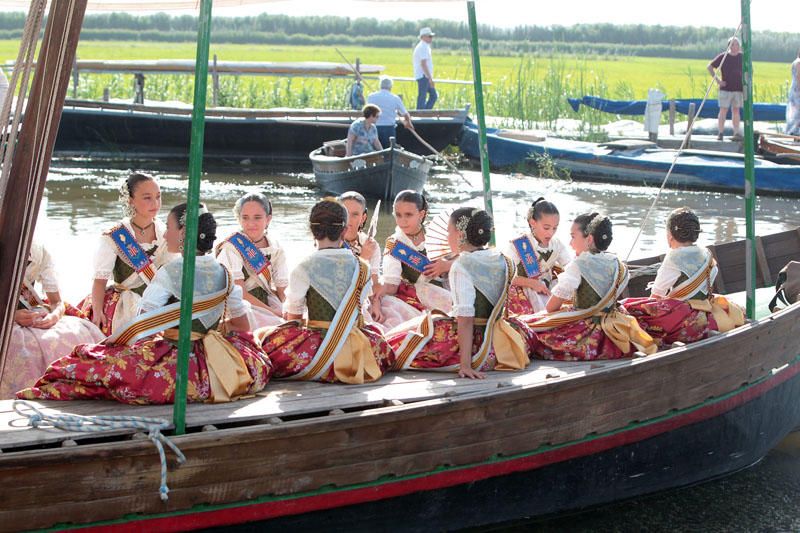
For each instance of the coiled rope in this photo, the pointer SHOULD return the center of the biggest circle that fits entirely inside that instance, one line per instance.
(98, 424)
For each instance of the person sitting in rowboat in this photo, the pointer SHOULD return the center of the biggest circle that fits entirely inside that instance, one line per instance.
(256, 260)
(334, 345)
(41, 332)
(362, 137)
(477, 336)
(538, 255)
(361, 244)
(593, 327)
(129, 253)
(682, 306)
(411, 283)
(137, 365)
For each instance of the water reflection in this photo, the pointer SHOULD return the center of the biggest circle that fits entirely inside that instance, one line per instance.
(81, 201)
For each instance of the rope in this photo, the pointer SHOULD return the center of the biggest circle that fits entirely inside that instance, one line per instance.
(97, 424)
(636, 271)
(678, 153)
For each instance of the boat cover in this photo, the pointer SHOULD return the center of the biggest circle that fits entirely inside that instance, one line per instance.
(761, 111)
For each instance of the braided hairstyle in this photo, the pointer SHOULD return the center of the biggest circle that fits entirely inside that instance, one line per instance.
(541, 207)
(683, 225)
(413, 197)
(252, 197)
(476, 224)
(206, 226)
(598, 226)
(327, 220)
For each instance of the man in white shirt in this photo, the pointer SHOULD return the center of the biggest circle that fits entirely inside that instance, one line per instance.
(423, 70)
(3, 87)
(391, 105)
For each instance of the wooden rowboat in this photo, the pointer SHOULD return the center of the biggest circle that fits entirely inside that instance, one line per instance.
(425, 450)
(780, 148)
(380, 174)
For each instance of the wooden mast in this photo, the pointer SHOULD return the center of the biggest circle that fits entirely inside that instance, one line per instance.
(31, 161)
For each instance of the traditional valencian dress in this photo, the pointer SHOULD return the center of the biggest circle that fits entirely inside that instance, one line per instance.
(131, 265)
(31, 349)
(479, 284)
(684, 308)
(263, 270)
(594, 328)
(403, 264)
(334, 345)
(137, 365)
(535, 261)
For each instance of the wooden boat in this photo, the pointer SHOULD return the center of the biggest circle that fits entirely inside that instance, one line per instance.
(761, 111)
(780, 148)
(131, 131)
(380, 174)
(635, 162)
(426, 450)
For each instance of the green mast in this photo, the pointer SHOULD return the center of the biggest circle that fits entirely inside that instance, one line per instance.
(478, 84)
(749, 163)
(192, 208)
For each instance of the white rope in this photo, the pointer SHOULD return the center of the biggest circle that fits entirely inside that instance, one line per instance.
(678, 153)
(98, 424)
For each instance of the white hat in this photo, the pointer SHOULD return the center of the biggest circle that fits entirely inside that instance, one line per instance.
(426, 31)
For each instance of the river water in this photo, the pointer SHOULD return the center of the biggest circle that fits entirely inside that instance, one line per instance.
(81, 200)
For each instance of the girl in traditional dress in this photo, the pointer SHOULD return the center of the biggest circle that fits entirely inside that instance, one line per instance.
(362, 245)
(128, 254)
(257, 261)
(682, 307)
(331, 284)
(538, 255)
(411, 283)
(477, 337)
(137, 365)
(593, 327)
(41, 332)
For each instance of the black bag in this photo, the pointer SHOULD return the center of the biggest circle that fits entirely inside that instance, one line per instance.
(787, 286)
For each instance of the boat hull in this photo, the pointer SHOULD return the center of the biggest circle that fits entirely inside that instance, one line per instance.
(588, 161)
(377, 175)
(134, 132)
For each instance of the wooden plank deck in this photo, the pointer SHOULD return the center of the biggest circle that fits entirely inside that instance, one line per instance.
(284, 400)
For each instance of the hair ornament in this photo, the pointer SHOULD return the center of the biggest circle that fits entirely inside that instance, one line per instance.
(202, 235)
(125, 199)
(462, 223)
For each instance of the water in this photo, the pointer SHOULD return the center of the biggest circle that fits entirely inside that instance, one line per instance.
(81, 200)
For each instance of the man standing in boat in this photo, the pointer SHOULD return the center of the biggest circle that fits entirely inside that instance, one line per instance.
(391, 105)
(423, 70)
(731, 93)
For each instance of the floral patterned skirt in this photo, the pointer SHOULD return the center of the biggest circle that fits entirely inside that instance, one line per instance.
(291, 347)
(442, 350)
(407, 293)
(583, 340)
(143, 373)
(518, 302)
(31, 350)
(668, 320)
(84, 309)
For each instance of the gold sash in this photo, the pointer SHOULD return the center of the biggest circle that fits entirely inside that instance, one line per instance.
(228, 375)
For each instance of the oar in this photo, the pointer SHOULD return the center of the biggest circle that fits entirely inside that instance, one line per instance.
(439, 155)
(354, 69)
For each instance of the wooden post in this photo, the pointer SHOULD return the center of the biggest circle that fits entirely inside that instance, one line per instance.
(138, 88)
(689, 124)
(75, 78)
(106, 94)
(672, 117)
(214, 83)
(20, 206)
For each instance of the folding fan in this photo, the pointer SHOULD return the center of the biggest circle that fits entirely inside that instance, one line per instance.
(436, 244)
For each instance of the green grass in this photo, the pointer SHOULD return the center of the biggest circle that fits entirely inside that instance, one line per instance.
(527, 89)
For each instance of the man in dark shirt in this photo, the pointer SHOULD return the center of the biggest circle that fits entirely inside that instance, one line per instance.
(731, 93)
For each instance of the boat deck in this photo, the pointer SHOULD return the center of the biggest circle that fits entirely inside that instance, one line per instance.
(282, 402)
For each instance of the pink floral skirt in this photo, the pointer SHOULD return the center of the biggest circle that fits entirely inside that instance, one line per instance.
(668, 320)
(583, 340)
(84, 309)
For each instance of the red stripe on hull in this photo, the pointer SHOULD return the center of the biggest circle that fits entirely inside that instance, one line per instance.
(242, 513)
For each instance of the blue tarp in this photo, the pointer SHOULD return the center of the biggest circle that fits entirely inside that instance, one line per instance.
(767, 112)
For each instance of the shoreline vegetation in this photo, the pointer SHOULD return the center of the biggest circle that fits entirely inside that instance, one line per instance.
(530, 82)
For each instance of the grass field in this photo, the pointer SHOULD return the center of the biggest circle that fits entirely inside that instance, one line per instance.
(527, 89)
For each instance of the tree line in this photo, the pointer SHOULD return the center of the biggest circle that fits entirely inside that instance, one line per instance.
(604, 39)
